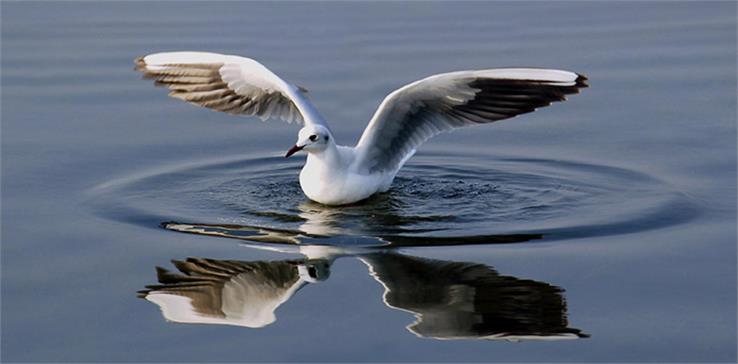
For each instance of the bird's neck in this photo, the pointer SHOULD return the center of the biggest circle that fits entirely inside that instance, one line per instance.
(328, 157)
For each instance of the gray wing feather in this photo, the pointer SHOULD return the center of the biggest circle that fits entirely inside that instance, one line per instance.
(203, 85)
(232, 84)
(414, 113)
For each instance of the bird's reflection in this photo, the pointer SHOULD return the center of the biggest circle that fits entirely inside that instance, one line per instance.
(450, 300)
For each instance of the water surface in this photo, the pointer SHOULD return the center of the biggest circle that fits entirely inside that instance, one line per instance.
(139, 228)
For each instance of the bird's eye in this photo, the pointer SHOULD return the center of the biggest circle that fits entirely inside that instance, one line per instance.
(326, 138)
(313, 138)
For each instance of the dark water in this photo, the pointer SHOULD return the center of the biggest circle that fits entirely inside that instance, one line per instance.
(600, 229)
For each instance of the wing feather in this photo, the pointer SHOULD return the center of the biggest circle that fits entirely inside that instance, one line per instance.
(418, 111)
(232, 84)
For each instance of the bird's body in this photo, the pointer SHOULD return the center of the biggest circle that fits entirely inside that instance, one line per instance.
(338, 175)
(332, 177)
(335, 164)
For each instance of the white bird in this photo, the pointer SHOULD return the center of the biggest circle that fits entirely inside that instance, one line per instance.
(335, 174)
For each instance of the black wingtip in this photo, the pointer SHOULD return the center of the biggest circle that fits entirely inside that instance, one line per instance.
(139, 64)
(581, 81)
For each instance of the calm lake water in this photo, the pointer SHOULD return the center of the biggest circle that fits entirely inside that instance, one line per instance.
(599, 229)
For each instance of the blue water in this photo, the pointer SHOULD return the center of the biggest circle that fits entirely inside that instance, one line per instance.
(609, 219)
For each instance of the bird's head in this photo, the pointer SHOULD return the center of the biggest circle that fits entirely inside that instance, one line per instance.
(311, 138)
(315, 270)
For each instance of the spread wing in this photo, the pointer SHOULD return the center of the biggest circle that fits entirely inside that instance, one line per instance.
(418, 111)
(232, 84)
(226, 292)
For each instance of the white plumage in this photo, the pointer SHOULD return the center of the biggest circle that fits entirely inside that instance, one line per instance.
(410, 115)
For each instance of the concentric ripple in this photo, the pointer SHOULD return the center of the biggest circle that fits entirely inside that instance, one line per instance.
(434, 199)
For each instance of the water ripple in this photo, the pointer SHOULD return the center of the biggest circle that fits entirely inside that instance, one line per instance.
(435, 200)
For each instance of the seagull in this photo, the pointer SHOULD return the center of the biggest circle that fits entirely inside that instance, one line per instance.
(338, 175)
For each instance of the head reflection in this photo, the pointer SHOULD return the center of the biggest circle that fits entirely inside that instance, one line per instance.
(450, 300)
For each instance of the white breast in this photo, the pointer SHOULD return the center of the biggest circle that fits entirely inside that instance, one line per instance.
(333, 182)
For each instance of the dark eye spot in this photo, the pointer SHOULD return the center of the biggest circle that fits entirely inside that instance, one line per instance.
(326, 138)
(313, 137)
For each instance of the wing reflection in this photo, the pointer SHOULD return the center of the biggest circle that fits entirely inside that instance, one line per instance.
(458, 300)
(450, 300)
(230, 292)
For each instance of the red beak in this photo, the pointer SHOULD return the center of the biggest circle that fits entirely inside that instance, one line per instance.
(293, 150)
